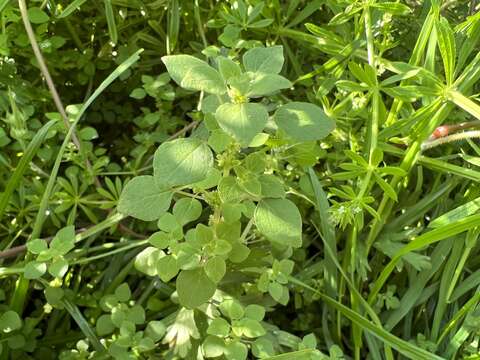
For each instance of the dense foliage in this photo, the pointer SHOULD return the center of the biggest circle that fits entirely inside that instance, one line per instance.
(239, 179)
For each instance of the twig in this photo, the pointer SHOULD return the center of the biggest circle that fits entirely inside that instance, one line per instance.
(451, 138)
(12, 252)
(182, 131)
(46, 74)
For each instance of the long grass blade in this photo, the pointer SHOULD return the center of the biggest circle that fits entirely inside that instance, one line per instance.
(409, 350)
(422, 241)
(112, 26)
(74, 5)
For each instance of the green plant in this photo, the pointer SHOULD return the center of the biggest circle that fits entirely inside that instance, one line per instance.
(264, 180)
(239, 187)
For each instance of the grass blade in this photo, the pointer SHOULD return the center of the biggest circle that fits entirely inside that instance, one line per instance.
(417, 285)
(402, 346)
(83, 324)
(71, 8)
(327, 232)
(423, 240)
(112, 26)
(173, 23)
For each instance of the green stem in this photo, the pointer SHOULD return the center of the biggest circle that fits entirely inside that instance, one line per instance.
(369, 36)
(109, 253)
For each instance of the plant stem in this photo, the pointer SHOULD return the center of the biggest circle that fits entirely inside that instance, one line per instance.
(46, 74)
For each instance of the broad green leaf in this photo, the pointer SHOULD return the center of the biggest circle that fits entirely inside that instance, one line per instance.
(36, 246)
(194, 288)
(229, 190)
(215, 269)
(155, 330)
(54, 296)
(146, 260)
(10, 321)
(187, 210)
(181, 162)
(169, 223)
(232, 308)
(263, 348)
(138, 93)
(64, 240)
(194, 74)
(37, 15)
(104, 325)
(236, 350)
(262, 84)
(242, 121)
(219, 140)
(213, 346)
(123, 292)
(275, 290)
(159, 239)
(58, 268)
(303, 121)
(272, 186)
(255, 312)
(248, 327)
(34, 269)
(228, 68)
(264, 60)
(143, 199)
(167, 268)
(280, 221)
(219, 327)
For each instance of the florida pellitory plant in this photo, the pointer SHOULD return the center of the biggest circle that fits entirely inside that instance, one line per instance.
(224, 177)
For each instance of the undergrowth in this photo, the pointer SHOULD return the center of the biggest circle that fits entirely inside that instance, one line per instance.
(239, 179)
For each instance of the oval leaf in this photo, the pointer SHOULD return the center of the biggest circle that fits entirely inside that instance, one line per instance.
(194, 74)
(265, 60)
(194, 288)
(242, 121)
(303, 121)
(181, 162)
(143, 200)
(280, 221)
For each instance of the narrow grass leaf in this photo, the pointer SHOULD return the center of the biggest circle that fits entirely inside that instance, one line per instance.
(456, 214)
(422, 241)
(327, 233)
(74, 5)
(402, 346)
(112, 26)
(83, 324)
